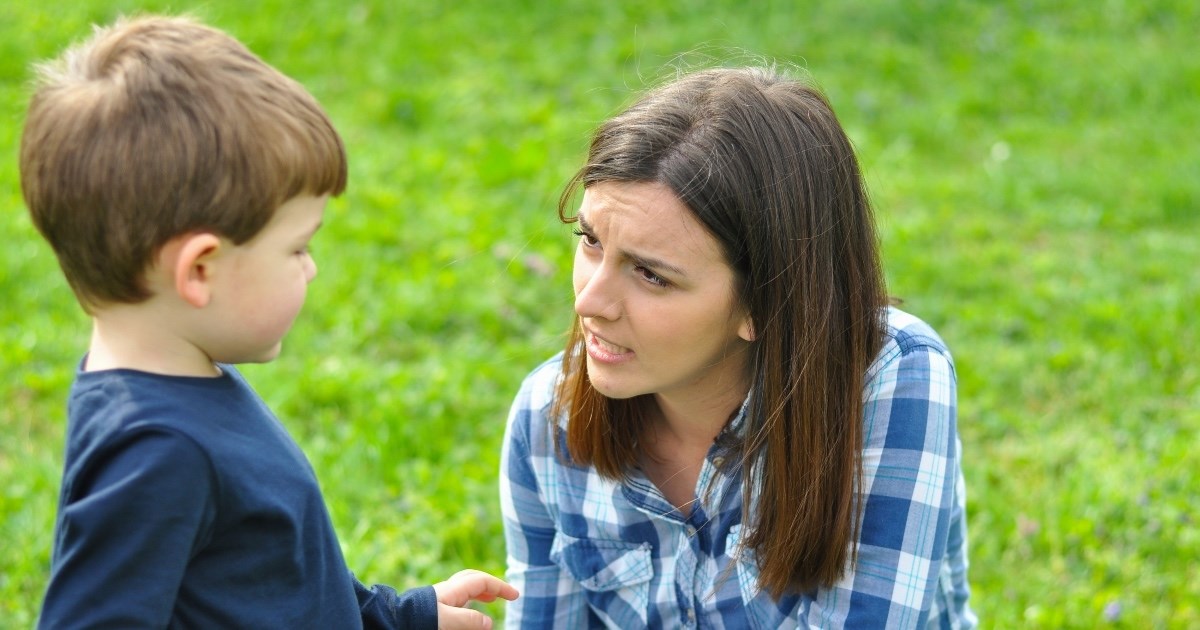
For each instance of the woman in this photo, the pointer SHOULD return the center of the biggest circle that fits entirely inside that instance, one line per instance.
(741, 432)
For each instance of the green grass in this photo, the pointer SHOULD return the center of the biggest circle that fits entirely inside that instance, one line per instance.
(1033, 166)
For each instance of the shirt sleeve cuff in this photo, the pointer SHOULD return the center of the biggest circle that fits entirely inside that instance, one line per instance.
(383, 608)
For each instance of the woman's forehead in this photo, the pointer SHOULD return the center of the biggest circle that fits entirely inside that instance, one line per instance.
(649, 209)
(646, 215)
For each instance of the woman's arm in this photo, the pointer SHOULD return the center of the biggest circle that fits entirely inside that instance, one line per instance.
(550, 597)
(910, 470)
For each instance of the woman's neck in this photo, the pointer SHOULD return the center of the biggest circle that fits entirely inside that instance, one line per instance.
(677, 439)
(698, 420)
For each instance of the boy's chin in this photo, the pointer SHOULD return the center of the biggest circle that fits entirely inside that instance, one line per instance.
(257, 356)
(269, 355)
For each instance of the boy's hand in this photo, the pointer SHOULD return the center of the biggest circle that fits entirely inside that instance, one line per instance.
(463, 587)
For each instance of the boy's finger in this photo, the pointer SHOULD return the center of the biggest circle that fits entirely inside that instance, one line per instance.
(495, 587)
(452, 618)
(484, 586)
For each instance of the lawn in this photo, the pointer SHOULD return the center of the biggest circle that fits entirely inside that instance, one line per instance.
(1033, 166)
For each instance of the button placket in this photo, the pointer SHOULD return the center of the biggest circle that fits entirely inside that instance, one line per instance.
(685, 573)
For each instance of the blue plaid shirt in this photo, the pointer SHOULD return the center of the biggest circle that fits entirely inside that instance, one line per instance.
(586, 551)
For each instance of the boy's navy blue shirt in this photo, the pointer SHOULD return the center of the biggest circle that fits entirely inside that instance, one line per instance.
(185, 503)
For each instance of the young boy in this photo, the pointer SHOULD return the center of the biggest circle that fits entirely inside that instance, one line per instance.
(179, 179)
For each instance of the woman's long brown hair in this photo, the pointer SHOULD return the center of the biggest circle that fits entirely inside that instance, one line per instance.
(764, 164)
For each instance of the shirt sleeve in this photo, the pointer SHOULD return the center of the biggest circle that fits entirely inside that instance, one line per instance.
(910, 468)
(128, 526)
(550, 597)
(385, 609)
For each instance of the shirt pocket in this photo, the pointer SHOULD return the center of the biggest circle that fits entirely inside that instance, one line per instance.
(615, 576)
(761, 610)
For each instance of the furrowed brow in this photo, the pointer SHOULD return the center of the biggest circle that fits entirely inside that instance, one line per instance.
(653, 263)
(641, 260)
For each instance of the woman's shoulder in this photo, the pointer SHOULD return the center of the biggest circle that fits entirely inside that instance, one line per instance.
(907, 332)
(907, 336)
(537, 390)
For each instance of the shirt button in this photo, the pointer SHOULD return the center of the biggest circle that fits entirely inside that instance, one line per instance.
(691, 616)
(718, 462)
(691, 531)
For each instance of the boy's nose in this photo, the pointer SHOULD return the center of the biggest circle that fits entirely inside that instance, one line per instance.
(310, 269)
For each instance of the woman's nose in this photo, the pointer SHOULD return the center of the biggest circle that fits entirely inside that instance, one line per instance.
(596, 291)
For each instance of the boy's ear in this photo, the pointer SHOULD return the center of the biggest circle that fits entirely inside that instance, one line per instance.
(191, 267)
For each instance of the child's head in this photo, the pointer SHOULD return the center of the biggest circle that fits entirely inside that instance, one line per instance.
(158, 127)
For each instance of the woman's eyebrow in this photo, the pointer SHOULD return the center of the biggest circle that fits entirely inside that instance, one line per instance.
(654, 263)
(638, 259)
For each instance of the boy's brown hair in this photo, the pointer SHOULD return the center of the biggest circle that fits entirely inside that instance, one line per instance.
(156, 127)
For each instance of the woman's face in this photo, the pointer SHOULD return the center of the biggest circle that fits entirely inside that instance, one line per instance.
(656, 300)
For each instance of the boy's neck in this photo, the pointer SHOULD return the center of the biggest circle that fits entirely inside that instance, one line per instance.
(135, 337)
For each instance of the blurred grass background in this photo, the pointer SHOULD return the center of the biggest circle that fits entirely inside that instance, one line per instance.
(1033, 165)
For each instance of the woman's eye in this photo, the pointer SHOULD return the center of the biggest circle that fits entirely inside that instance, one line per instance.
(587, 238)
(651, 277)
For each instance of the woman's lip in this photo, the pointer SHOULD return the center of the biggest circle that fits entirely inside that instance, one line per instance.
(604, 351)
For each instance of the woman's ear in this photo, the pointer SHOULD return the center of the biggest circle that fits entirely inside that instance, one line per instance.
(189, 259)
(746, 329)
